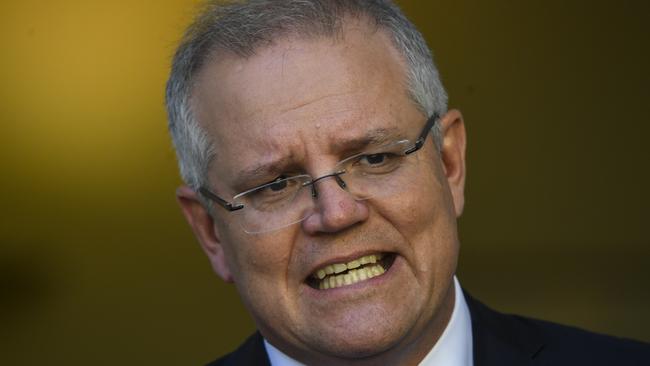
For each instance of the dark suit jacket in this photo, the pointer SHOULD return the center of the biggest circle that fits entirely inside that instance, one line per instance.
(505, 340)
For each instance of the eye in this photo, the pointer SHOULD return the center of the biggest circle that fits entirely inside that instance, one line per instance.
(374, 159)
(279, 184)
(375, 163)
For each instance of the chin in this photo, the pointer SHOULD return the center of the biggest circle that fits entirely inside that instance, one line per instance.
(346, 348)
(372, 337)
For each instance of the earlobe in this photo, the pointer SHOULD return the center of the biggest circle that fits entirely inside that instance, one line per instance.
(205, 231)
(453, 148)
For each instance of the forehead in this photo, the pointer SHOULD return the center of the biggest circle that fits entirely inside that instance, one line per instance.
(301, 95)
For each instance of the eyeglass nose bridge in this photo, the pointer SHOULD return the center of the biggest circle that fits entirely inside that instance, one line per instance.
(336, 175)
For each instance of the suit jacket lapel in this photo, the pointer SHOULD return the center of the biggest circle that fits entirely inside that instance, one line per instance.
(252, 353)
(501, 340)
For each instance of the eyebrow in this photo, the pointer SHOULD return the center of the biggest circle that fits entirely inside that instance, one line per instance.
(373, 137)
(344, 145)
(253, 174)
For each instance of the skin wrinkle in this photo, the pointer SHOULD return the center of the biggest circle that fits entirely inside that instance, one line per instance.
(415, 257)
(280, 143)
(239, 67)
(274, 167)
(250, 173)
(417, 265)
(284, 56)
(269, 270)
(305, 103)
(368, 21)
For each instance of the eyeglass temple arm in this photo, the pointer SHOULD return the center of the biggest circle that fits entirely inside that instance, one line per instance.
(423, 135)
(223, 203)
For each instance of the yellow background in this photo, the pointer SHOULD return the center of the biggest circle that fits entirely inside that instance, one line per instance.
(97, 266)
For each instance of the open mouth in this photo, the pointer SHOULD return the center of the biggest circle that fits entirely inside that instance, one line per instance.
(355, 271)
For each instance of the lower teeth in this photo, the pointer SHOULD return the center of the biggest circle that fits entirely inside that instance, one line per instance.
(353, 276)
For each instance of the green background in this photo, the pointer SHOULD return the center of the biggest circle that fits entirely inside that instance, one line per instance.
(98, 266)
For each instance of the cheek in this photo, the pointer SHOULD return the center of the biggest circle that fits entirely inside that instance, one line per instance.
(261, 267)
(424, 215)
(256, 259)
(423, 203)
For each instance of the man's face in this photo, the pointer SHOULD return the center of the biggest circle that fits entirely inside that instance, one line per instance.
(297, 102)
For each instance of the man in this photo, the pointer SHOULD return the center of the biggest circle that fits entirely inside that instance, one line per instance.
(324, 176)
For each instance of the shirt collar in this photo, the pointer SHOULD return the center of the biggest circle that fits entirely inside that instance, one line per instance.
(454, 348)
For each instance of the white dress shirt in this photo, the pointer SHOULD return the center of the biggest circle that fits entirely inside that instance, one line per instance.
(454, 348)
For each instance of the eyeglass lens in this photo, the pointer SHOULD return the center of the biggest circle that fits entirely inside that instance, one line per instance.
(376, 173)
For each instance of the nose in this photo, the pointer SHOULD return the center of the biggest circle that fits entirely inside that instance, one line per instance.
(336, 209)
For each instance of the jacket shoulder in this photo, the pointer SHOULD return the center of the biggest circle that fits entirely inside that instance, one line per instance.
(251, 352)
(578, 346)
(502, 339)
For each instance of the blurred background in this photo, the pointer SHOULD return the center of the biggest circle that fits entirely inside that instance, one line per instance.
(98, 266)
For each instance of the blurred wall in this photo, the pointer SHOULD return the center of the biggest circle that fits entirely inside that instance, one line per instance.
(97, 264)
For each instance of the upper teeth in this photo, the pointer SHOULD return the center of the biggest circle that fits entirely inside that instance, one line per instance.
(342, 267)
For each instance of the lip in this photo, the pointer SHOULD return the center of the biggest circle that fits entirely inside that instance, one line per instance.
(368, 285)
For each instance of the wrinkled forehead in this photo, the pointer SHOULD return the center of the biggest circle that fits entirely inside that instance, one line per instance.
(299, 95)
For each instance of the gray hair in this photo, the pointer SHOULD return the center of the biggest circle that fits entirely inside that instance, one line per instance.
(242, 27)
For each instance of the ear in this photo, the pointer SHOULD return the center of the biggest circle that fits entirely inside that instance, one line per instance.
(205, 231)
(453, 147)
